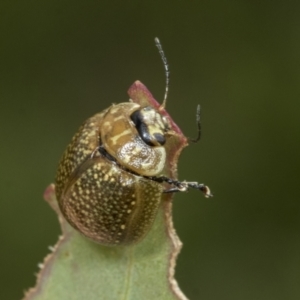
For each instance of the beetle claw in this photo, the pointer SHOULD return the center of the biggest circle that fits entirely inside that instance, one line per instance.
(183, 186)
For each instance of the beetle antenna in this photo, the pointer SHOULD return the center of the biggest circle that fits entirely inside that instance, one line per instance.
(197, 139)
(167, 72)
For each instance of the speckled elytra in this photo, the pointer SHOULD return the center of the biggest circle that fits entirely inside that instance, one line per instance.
(110, 180)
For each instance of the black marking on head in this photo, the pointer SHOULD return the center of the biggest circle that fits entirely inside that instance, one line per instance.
(138, 119)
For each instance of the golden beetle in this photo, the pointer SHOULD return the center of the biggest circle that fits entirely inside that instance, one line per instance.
(110, 179)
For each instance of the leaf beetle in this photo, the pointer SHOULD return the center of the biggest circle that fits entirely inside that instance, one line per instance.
(110, 180)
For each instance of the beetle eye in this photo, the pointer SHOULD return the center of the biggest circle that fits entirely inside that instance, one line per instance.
(150, 133)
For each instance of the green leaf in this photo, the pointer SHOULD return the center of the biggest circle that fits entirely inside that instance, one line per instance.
(80, 269)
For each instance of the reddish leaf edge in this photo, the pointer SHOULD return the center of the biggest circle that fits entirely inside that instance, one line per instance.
(45, 267)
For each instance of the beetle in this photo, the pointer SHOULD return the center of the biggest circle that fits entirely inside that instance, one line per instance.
(110, 180)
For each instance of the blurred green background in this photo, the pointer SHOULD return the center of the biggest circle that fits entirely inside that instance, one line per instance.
(63, 61)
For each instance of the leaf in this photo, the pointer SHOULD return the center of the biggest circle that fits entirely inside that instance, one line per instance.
(78, 268)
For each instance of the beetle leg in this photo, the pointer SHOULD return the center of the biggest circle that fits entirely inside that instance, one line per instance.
(173, 190)
(199, 186)
(183, 186)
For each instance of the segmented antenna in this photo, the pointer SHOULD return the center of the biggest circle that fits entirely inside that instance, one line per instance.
(197, 139)
(166, 66)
